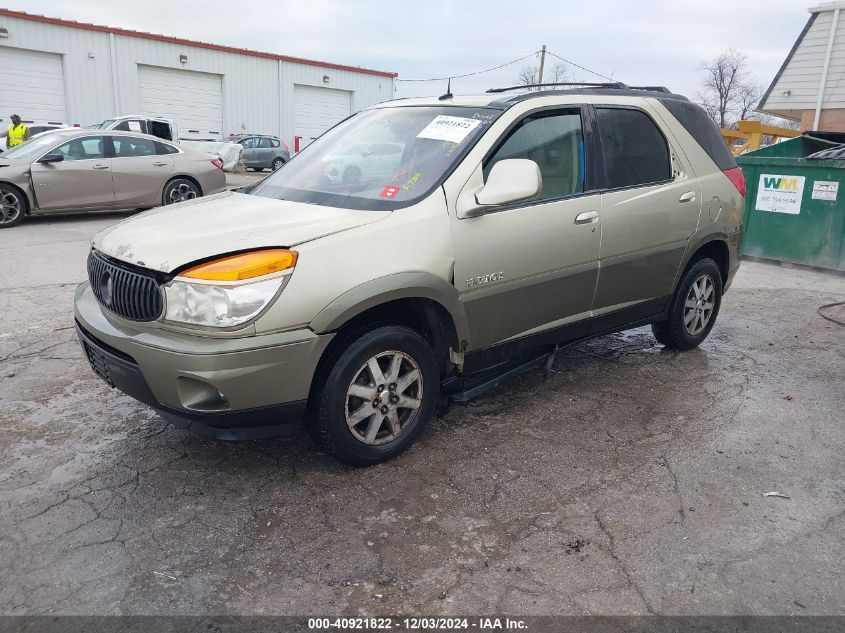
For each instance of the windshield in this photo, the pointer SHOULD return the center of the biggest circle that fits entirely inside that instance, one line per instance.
(31, 148)
(380, 159)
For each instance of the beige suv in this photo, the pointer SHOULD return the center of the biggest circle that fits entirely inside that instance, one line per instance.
(489, 231)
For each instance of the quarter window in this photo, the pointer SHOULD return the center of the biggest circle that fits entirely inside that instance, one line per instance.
(82, 148)
(555, 142)
(634, 149)
(164, 148)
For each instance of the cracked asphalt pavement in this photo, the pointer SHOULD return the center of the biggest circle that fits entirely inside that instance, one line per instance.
(630, 481)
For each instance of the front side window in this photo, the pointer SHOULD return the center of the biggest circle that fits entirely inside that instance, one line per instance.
(88, 148)
(249, 143)
(132, 147)
(555, 142)
(634, 149)
(380, 159)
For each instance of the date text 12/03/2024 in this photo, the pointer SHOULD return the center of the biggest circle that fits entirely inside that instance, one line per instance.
(417, 624)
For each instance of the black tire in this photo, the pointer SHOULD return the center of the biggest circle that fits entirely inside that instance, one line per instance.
(257, 169)
(179, 190)
(675, 332)
(278, 163)
(13, 206)
(332, 404)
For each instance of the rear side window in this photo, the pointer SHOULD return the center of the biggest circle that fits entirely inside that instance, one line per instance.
(555, 142)
(703, 130)
(634, 149)
(132, 147)
(265, 143)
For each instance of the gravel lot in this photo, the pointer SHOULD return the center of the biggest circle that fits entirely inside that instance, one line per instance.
(631, 481)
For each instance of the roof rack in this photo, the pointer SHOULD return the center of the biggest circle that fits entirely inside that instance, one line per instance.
(652, 88)
(615, 84)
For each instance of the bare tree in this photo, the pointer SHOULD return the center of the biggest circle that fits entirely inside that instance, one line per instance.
(748, 95)
(558, 73)
(724, 78)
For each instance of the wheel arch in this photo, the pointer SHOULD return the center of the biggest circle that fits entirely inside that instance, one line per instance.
(426, 303)
(30, 202)
(715, 246)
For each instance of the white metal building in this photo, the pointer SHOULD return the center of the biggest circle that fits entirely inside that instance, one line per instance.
(810, 85)
(59, 70)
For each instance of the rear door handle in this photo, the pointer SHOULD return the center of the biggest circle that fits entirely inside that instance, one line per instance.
(689, 196)
(588, 217)
(101, 166)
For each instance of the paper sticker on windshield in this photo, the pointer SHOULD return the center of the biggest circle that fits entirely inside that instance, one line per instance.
(449, 128)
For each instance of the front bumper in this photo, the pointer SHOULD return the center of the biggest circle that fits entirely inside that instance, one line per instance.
(228, 388)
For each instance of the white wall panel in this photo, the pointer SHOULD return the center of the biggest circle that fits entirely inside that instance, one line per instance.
(32, 84)
(257, 92)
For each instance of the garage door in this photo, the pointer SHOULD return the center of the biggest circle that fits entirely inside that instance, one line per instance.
(32, 85)
(194, 100)
(317, 109)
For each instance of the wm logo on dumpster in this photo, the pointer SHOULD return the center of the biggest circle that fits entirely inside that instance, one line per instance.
(780, 184)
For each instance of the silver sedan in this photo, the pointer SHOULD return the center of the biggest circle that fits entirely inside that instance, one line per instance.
(82, 170)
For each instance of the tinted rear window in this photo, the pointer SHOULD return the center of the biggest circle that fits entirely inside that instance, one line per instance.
(634, 149)
(703, 130)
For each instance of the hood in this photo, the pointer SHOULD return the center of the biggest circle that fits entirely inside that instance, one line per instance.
(168, 238)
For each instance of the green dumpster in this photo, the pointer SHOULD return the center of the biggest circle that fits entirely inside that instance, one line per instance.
(795, 205)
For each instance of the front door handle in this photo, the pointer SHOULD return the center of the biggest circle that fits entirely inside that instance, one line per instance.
(159, 164)
(588, 217)
(101, 166)
(689, 196)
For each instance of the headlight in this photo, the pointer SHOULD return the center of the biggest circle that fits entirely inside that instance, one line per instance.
(229, 291)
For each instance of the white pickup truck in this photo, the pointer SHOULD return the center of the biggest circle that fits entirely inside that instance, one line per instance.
(206, 141)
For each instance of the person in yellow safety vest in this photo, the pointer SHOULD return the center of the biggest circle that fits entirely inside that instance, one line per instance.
(17, 132)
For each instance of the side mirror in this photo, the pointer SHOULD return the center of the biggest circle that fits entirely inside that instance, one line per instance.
(52, 158)
(510, 180)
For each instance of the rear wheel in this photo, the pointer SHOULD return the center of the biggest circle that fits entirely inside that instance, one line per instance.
(694, 307)
(179, 190)
(377, 393)
(277, 163)
(12, 207)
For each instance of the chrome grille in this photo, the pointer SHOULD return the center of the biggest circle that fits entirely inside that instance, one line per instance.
(124, 291)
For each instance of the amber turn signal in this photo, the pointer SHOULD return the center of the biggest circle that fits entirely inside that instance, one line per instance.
(244, 265)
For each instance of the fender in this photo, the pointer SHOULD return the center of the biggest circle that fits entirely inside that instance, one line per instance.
(408, 285)
(706, 234)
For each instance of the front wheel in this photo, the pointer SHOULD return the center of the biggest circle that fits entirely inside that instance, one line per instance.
(179, 190)
(694, 308)
(12, 207)
(377, 392)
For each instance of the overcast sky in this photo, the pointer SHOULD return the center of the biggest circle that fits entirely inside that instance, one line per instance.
(653, 42)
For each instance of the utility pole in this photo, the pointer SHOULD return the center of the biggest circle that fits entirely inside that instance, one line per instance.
(542, 63)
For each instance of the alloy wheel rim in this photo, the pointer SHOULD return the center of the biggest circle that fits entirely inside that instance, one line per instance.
(384, 398)
(699, 304)
(181, 192)
(277, 164)
(10, 207)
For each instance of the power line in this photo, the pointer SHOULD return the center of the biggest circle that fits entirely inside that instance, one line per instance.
(477, 72)
(571, 63)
